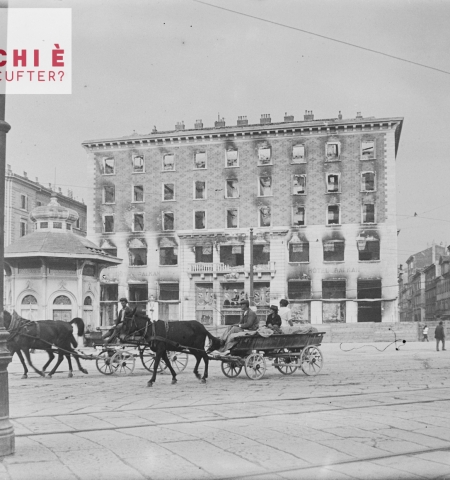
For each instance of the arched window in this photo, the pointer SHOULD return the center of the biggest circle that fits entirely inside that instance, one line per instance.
(29, 300)
(88, 301)
(62, 300)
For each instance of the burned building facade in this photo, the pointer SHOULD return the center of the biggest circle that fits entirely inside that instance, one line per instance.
(178, 207)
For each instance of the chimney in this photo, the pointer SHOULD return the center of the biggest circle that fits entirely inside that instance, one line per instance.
(242, 120)
(198, 124)
(308, 115)
(265, 118)
(8, 169)
(154, 129)
(220, 122)
(358, 115)
(340, 115)
(37, 180)
(60, 191)
(25, 174)
(288, 118)
(179, 126)
(50, 186)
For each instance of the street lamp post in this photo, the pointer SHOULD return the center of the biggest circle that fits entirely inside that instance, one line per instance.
(7, 439)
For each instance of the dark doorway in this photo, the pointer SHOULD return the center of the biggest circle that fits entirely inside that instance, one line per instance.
(369, 311)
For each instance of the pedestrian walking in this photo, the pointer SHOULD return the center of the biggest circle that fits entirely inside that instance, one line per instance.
(439, 335)
(425, 333)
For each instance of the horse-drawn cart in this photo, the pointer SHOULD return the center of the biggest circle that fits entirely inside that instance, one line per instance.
(286, 353)
(120, 358)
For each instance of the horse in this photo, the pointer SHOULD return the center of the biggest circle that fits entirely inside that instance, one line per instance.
(43, 335)
(179, 336)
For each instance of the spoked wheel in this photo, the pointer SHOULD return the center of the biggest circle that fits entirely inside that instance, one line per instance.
(311, 360)
(231, 369)
(255, 366)
(104, 364)
(179, 360)
(286, 364)
(148, 360)
(124, 361)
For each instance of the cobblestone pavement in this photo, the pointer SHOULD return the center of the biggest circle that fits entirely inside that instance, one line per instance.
(368, 415)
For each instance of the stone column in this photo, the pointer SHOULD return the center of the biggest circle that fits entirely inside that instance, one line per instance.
(7, 438)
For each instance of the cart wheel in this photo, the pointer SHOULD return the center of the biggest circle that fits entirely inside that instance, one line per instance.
(148, 360)
(255, 366)
(179, 360)
(231, 369)
(286, 365)
(311, 360)
(124, 361)
(103, 362)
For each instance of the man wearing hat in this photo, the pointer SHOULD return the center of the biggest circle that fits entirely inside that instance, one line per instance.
(125, 312)
(273, 320)
(249, 321)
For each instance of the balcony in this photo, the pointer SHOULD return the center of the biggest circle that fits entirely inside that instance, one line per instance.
(223, 269)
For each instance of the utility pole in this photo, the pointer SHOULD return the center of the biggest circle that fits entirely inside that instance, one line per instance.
(252, 296)
(7, 438)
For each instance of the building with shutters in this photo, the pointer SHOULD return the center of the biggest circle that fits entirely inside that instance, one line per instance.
(53, 273)
(178, 206)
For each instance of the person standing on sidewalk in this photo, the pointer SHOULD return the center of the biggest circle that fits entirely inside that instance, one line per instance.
(439, 335)
(425, 333)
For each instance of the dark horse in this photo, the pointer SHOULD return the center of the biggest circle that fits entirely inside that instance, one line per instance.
(179, 336)
(43, 335)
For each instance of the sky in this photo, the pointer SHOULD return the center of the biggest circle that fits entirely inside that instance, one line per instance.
(144, 63)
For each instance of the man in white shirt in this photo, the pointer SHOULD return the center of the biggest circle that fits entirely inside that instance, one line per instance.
(285, 313)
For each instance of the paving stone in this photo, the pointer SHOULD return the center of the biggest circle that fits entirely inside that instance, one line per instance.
(29, 451)
(371, 471)
(414, 466)
(40, 471)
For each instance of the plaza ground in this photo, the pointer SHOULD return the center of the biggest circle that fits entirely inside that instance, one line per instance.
(376, 411)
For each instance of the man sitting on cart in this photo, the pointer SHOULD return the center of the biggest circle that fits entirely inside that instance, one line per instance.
(249, 322)
(125, 312)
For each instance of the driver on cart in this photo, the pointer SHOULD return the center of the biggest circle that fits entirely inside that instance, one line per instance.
(125, 312)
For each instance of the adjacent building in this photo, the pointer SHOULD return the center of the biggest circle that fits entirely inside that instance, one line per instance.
(53, 273)
(178, 206)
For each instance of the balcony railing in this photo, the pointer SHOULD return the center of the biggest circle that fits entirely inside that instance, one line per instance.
(222, 268)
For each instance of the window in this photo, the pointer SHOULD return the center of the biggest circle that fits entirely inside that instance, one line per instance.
(137, 256)
(108, 166)
(169, 291)
(368, 182)
(333, 152)
(232, 159)
(333, 215)
(371, 250)
(168, 191)
(138, 163)
(68, 226)
(298, 215)
(232, 189)
(109, 297)
(57, 225)
(333, 289)
(299, 252)
(43, 225)
(110, 251)
(168, 220)
(89, 270)
(232, 218)
(261, 254)
(109, 194)
(23, 228)
(232, 255)
(138, 296)
(138, 222)
(38, 203)
(200, 160)
(298, 154)
(367, 150)
(298, 184)
(333, 184)
(265, 216)
(264, 155)
(300, 290)
(199, 190)
(24, 202)
(168, 256)
(199, 220)
(169, 162)
(204, 254)
(265, 186)
(333, 251)
(368, 213)
(108, 223)
(138, 193)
